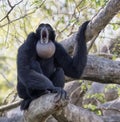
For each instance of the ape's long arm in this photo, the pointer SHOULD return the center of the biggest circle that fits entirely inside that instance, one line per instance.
(73, 67)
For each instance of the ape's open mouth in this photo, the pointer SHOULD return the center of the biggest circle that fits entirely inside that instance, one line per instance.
(44, 34)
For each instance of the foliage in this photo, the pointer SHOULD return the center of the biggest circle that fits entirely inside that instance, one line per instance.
(93, 108)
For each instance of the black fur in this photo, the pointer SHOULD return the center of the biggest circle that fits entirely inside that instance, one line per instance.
(37, 76)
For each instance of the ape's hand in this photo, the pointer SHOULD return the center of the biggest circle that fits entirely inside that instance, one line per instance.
(61, 94)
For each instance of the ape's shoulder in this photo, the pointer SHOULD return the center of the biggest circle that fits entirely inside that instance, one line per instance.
(28, 45)
(31, 35)
(31, 38)
(58, 46)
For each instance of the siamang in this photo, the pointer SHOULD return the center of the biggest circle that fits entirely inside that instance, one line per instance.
(42, 63)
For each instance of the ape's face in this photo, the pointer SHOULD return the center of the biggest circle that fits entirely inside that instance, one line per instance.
(45, 45)
(45, 33)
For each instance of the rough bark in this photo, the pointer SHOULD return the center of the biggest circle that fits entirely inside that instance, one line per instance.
(102, 70)
(98, 23)
(103, 17)
(41, 108)
(46, 106)
(78, 114)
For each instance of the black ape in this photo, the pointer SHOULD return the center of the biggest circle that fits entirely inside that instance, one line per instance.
(37, 75)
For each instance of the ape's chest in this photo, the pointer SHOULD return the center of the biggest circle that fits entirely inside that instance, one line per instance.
(47, 66)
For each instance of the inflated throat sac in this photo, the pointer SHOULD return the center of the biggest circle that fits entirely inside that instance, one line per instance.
(45, 50)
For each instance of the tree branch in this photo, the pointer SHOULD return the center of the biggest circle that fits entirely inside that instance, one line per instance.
(9, 106)
(41, 108)
(102, 18)
(78, 114)
(102, 70)
(12, 7)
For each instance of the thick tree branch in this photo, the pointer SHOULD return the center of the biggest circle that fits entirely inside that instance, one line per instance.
(41, 108)
(102, 70)
(98, 23)
(46, 106)
(63, 111)
(102, 18)
(78, 114)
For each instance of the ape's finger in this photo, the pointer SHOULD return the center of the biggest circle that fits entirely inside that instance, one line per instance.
(58, 95)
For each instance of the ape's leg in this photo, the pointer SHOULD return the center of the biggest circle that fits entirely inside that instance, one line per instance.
(23, 93)
(37, 93)
(28, 95)
(58, 78)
